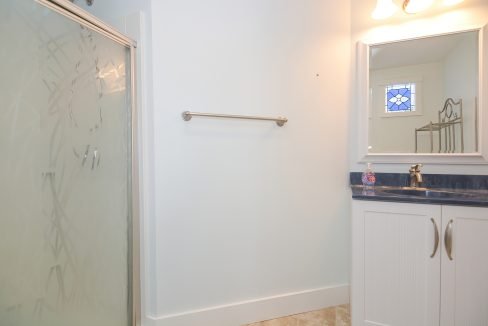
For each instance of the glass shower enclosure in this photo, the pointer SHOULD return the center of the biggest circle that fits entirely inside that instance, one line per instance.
(66, 126)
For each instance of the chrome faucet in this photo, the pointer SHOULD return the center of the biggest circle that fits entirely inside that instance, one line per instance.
(415, 176)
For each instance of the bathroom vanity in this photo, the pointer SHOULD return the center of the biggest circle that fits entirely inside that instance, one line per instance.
(419, 257)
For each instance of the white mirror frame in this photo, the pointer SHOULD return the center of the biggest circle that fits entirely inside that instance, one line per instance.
(480, 157)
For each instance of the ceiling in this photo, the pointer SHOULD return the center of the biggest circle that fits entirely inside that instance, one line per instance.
(417, 51)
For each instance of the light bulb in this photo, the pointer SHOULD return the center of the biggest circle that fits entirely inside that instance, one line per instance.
(415, 6)
(384, 9)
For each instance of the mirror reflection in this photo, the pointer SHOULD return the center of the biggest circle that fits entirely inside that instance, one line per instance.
(423, 95)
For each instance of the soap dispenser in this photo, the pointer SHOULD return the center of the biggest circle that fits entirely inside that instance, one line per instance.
(368, 178)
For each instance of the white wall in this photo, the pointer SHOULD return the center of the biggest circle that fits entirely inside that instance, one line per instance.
(113, 12)
(247, 210)
(465, 52)
(469, 14)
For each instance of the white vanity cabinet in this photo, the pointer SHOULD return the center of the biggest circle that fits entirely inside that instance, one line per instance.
(395, 281)
(464, 279)
(401, 271)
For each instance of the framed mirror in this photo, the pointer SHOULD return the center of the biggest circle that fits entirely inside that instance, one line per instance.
(423, 99)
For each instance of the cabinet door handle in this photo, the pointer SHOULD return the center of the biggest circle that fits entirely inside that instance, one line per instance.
(448, 239)
(436, 241)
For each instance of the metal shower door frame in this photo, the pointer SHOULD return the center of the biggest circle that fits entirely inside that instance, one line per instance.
(73, 12)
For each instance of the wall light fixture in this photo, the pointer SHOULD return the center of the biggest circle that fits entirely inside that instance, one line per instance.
(386, 8)
(415, 6)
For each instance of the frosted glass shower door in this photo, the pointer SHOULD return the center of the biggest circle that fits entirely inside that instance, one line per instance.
(65, 128)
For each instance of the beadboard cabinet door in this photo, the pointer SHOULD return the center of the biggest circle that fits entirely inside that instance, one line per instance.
(464, 261)
(395, 264)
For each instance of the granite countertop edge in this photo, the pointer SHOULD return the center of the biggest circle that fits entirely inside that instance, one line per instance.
(476, 197)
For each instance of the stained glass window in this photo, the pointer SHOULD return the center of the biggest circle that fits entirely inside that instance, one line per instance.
(400, 98)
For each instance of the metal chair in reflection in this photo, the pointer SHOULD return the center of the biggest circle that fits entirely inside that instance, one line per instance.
(450, 118)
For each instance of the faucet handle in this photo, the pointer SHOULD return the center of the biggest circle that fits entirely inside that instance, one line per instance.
(416, 167)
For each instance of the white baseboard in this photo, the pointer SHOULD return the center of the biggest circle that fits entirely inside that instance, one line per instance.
(245, 312)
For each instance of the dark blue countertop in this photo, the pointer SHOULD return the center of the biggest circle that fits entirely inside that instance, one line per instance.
(462, 190)
(463, 198)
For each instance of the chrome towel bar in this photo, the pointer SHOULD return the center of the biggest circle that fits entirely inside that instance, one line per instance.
(187, 115)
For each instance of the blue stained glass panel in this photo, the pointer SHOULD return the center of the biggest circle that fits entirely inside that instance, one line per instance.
(400, 98)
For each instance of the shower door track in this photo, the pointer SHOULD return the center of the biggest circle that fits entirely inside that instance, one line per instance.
(73, 12)
(68, 9)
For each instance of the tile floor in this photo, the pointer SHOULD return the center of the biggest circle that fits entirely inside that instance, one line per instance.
(333, 316)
